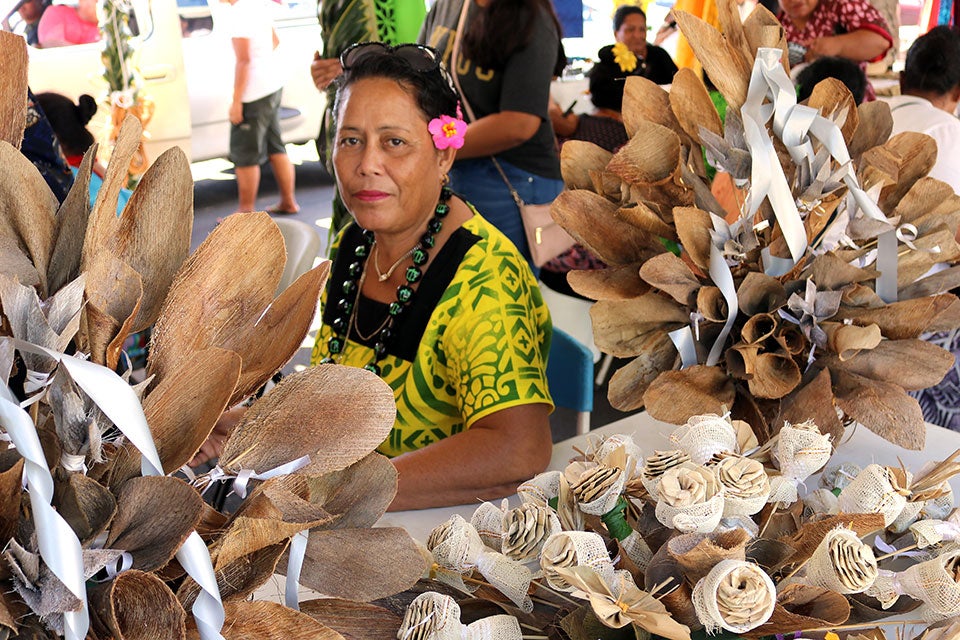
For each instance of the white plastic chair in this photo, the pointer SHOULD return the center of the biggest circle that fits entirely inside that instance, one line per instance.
(303, 242)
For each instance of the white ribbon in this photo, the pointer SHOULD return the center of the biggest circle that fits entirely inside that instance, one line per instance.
(73, 463)
(298, 551)
(58, 544)
(36, 380)
(244, 476)
(120, 404)
(721, 276)
(907, 233)
(886, 547)
(685, 342)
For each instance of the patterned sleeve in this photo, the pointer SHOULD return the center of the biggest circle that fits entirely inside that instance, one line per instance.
(497, 342)
(860, 14)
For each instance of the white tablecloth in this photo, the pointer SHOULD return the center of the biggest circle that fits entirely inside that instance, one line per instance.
(859, 445)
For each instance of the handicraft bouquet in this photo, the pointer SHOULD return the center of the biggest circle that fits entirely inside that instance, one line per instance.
(712, 536)
(806, 296)
(102, 536)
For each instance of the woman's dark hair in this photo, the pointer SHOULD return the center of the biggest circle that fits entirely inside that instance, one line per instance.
(933, 63)
(620, 15)
(502, 28)
(431, 90)
(69, 120)
(843, 69)
(607, 81)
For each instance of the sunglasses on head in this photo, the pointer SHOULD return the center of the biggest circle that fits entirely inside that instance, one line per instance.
(420, 58)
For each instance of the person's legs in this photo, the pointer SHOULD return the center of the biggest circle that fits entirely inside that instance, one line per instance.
(283, 169)
(248, 184)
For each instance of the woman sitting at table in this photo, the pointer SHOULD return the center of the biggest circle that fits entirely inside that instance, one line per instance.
(429, 295)
(851, 29)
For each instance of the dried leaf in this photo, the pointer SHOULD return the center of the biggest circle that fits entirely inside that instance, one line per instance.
(882, 407)
(904, 319)
(676, 395)
(644, 101)
(671, 275)
(13, 88)
(692, 105)
(928, 363)
(876, 124)
(353, 620)
(693, 229)
(629, 383)
(71, 227)
(263, 620)
(724, 63)
(577, 159)
(835, 101)
(619, 326)
(613, 283)
(592, 220)
(812, 401)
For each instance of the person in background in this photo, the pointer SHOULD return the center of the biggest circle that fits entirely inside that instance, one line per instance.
(930, 92)
(41, 147)
(851, 29)
(846, 71)
(254, 112)
(63, 25)
(630, 29)
(604, 127)
(69, 122)
(30, 12)
(427, 294)
(509, 55)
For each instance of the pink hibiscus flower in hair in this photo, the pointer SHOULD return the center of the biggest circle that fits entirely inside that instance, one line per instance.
(447, 131)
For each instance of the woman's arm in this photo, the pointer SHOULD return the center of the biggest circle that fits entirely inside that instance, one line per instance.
(861, 45)
(485, 462)
(498, 132)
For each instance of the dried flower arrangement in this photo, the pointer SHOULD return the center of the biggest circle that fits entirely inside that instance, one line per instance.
(709, 537)
(807, 303)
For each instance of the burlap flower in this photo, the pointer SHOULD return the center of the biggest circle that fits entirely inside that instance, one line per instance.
(737, 596)
(873, 491)
(519, 533)
(691, 499)
(705, 435)
(801, 451)
(746, 486)
(574, 549)
(434, 616)
(842, 563)
(656, 465)
(933, 582)
(597, 488)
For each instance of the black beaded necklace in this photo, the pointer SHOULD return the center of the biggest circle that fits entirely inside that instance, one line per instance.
(352, 286)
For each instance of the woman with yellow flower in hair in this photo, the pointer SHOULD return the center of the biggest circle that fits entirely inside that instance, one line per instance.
(632, 53)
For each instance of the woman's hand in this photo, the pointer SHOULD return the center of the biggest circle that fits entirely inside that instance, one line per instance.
(861, 45)
(236, 112)
(324, 70)
(221, 431)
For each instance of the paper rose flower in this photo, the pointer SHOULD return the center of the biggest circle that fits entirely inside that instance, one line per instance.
(447, 131)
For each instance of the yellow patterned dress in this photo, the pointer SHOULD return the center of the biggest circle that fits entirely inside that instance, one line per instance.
(473, 341)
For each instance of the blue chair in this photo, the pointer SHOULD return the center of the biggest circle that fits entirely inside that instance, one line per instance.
(570, 376)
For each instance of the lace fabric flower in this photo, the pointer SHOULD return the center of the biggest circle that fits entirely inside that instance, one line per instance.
(448, 132)
(624, 58)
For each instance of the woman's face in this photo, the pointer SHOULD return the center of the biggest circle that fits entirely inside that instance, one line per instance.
(388, 170)
(633, 33)
(799, 10)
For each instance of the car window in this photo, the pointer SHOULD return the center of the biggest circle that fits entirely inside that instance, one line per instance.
(195, 18)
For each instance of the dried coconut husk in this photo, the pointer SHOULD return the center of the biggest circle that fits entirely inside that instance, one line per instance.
(51, 324)
(13, 88)
(693, 229)
(651, 156)
(925, 197)
(154, 517)
(613, 283)
(760, 293)
(831, 273)
(620, 327)
(645, 101)
(11, 492)
(609, 185)
(927, 363)
(876, 124)
(361, 564)
(664, 570)
(801, 607)
(359, 494)
(643, 217)
(937, 245)
(835, 102)
(759, 327)
(239, 579)
(934, 284)
(27, 209)
(136, 606)
(770, 554)
(697, 554)
(711, 304)
(728, 69)
(769, 375)
(71, 227)
(671, 275)
(849, 340)
(917, 153)
(882, 407)
(114, 295)
(676, 395)
(325, 403)
(629, 383)
(812, 400)
(778, 523)
(762, 29)
(692, 106)
(591, 219)
(15, 265)
(12, 614)
(85, 504)
(264, 620)
(903, 319)
(578, 159)
(103, 218)
(865, 609)
(353, 620)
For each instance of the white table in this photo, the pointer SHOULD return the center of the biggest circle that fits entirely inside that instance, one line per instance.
(859, 445)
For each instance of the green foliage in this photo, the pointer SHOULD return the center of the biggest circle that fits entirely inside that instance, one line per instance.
(117, 52)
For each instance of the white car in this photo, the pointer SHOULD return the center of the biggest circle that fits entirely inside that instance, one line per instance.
(187, 65)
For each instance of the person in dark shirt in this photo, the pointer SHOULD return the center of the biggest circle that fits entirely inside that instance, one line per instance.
(630, 28)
